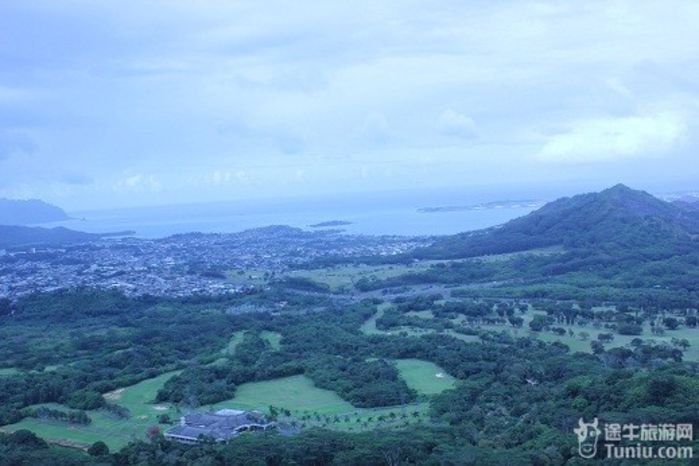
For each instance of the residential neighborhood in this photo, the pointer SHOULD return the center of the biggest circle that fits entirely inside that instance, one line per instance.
(180, 265)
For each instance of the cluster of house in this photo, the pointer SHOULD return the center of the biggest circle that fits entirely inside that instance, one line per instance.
(180, 265)
(220, 425)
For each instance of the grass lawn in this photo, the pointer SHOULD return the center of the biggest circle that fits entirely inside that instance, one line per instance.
(7, 371)
(421, 314)
(573, 342)
(114, 432)
(345, 276)
(577, 345)
(247, 277)
(233, 342)
(287, 392)
(462, 337)
(315, 406)
(273, 338)
(369, 327)
(424, 377)
(547, 251)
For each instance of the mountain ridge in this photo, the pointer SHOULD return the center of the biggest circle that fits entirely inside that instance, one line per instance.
(30, 211)
(618, 215)
(19, 236)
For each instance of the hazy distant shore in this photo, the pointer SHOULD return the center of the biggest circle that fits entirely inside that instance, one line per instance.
(530, 204)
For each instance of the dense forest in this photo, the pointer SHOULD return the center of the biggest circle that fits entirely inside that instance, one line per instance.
(518, 400)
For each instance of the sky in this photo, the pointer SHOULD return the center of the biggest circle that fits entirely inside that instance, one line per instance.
(127, 103)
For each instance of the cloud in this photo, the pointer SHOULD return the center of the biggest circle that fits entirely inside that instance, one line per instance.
(139, 183)
(9, 94)
(15, 142)
(453, 123)
(604, 139)
(375, 129)
(77, 179)
(144, 99)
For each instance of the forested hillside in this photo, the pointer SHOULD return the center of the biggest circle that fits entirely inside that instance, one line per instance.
(14, 236)
(19, 212)
(618, 218)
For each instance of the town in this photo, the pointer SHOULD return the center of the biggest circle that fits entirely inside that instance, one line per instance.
(181, 265)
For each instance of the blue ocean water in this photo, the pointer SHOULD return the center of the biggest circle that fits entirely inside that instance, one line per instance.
(367, 214)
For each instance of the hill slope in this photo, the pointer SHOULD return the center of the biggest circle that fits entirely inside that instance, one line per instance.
(16, 212)
(619, 216)
(14, 236)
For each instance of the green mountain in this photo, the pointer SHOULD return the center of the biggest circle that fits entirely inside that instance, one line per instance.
(616, 218)
(18, 212)
(688, 203)
(16, 236)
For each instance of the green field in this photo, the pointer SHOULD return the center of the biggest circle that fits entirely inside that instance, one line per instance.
(315, 406)
(343, 277)
(114, 432)
(288, 392)
(424, 377)
(7, 371)
(420, 314)
(575, 343)
(369, 327)
(247, 277)
(578, 345)
(547, 251)
(309, 405)
(233, 342)
(273, 338)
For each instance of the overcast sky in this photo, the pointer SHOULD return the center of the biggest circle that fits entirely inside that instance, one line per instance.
(120, 103)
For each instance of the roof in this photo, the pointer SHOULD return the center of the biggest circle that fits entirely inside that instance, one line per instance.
(220, 425)
(194, 433)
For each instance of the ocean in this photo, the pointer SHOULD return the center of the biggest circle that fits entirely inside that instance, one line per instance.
(366, 214)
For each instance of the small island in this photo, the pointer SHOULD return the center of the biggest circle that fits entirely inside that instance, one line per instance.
(330, 223)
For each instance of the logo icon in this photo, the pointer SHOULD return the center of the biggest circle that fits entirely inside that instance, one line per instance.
(588, 433)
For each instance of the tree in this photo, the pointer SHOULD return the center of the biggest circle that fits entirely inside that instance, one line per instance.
(152, 432)
(636, 342)
(98, 448)
(671, 323)
(27, 438)
(681, 343)
(539, 323)
(516, 321)
(661, 387)
(597, 347)
(630, 329)
(5, 307)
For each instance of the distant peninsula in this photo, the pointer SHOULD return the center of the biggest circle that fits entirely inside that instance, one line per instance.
(330, 223)
(32, 211)
(17, 236)
(483, 206)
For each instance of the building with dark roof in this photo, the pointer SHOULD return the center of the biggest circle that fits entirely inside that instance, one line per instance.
(219, 426)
